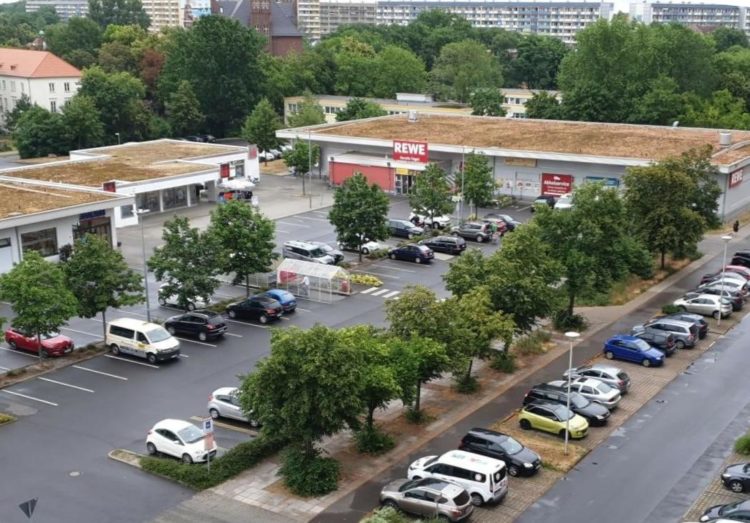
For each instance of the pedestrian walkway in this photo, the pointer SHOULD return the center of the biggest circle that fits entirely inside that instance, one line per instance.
(380, 292)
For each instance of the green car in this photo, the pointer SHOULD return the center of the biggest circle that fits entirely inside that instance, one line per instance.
(552, 418)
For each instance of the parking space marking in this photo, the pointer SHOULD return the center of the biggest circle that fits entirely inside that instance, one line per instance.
(100, 372)
(247, 324)
(389, 268)
(303, 310)
(283, 231)
(20, 353)
(30, 397)
(196, 342)
(368, 291)
(381, 275)
(284, 318)
(184, 355)
(134, 313)
(131, 361)
(80, 332)
(378, 293)
(228, 426)
(4, 368)
(233, 334)
(443, 257)
(294, 224)
(391, 294)
(66, 384)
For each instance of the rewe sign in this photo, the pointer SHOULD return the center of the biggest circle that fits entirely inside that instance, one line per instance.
(410, 151)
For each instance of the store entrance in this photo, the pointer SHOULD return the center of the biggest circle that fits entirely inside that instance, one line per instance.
(404, 183)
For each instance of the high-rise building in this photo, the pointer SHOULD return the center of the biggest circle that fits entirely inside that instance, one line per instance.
(65, 8)
(702, 16)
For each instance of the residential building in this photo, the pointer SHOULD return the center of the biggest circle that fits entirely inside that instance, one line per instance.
(698, 15)
(65, 8)
(274, 20)
(47, 80)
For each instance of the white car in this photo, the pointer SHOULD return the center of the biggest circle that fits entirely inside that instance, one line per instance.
(179, 439)
(172, 301)
(436, 222)
(225, 403)
(367, 247)
(705, 304)
(565, 201)
(266, 156)
(592, 389)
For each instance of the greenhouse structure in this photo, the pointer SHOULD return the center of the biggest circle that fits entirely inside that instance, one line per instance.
(313, 281)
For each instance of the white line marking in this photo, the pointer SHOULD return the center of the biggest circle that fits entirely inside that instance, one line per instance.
(80, 332)
(233, 334)
(130, 361)
(247, 324)
(100, 372)
(303, 310)
(194, 341)
(184, 355)
(283, 231)
(19, 352)
(4, 368)
(389, 268)
(30, 397)
(381, 291)
(368, 291)
(66, 384)
(134, 313)
(297, 225)
(381, 275)
(391, 294)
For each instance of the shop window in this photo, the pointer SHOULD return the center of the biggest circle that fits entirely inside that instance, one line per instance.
(173, 198)
(44, 242)
(126, 211)
(148, 201)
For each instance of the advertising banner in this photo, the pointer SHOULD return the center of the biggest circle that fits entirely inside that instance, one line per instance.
(557, 184)
(736, 177)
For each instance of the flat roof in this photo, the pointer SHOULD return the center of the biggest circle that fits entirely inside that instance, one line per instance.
(643, 142)
(18, 198)
(130, 162)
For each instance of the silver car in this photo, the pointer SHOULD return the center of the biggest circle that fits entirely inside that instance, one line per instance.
(705, 304)
(428, 497)
(225, 403)
(592, 389)
(613, 376)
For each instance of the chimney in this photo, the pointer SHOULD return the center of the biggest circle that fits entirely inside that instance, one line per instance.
(725, 139)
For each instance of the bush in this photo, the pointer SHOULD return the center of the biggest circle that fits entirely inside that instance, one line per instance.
(504, 362)
(742, 445)
(563, 321)
(307, 475)
(241, 457)
(466, 384)
(377, 254)
(670, 309)
(373, 441)
(366, 279)
(386, 515)
(532, 343)
(6, 418)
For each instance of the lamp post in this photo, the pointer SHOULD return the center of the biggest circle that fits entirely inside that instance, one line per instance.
(140, 213)
(726, 239)
(118, 138)
(571, 338)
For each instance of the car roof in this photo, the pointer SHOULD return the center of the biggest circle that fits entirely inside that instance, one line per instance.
(459, 458)
(606, 368)
(591, 382)
(623, 337)
(225, 391)
(132, 323)
(479, 431)
(670, 321)
(172, 424)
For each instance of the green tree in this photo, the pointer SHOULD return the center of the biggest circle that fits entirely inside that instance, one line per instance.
(662, 104)
(117, 56)
(537, 62)
(477, 183)
(183, 110)
(722, 110)
(487, 101)
(463, 67)
(416, 361)
(431, 194)
(358, 108)
(100, 278)
(415, 313)
(359, 212)
(399, 70)
(41, 301)
(432, 30)
(246, 238)
(76, 41)
(188, 263)
(261, 126)
(704, 196)
(726, 37)
(83, 122)
(355, 66)
(40, 133)
(118, 12)
(11, 117)
(302, 157)
(467, 272)
(544, 106)
(309, 112)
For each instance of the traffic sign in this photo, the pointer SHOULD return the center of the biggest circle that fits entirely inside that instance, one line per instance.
(208, 426)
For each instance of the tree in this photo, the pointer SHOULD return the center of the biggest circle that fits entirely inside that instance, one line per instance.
(355, 66)
(41, 301)
(358, 108)
(309, 112)
(359, 213)
(476, 182)
(662, 104)
(302, 157)
(183, 110)
(82, 120)
(726, 37)
(463, 67)
(77, 41)
(100, 278)
(246, 238)
(417, 360)
(117, 56)
(431, 194)
(118, 12)
(722, 110)
(414, 313)
(11, 117)
(261, 126)
(188, 262)
(704, 196)
(399, 70)
(40, 133)
(467, 272)
(487, 101)
(543, 106)
(537, 62)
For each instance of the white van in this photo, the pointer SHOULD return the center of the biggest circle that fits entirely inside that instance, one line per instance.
(485, 479)
(142, 339)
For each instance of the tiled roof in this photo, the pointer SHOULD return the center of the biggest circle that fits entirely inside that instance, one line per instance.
(34, 64)
(282, 20)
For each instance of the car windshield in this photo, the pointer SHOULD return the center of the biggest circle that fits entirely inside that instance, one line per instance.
(641, 345)
(730, 507)
(511, 446)
(50, 335)
(578, 401)
(563, 413)
(190, 434)
(408, 485)
(157, 334)
(317, 253)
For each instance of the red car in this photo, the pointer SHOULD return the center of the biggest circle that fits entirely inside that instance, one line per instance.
(53, 344)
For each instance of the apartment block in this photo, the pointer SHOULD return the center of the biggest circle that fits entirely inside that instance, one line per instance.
(65, 8)
(703, 16)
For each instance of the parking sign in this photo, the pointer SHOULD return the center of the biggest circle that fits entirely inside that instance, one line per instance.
(208, 426)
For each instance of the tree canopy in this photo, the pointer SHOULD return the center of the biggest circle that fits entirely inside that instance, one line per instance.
(261, 125)
(119, 12)
(358, 108)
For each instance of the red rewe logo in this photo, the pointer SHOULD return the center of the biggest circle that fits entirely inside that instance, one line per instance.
(410, 151)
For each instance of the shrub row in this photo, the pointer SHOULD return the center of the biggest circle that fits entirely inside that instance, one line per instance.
(742, 445)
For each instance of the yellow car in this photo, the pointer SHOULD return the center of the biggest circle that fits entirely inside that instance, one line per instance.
(552, 418)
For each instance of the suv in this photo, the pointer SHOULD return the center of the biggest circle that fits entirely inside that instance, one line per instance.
(694, 319)
(685, 334)
(594, 413)
(428, 497)
(663, 341)
(404, 228)
(519, 460)
(436, 222)
(478, 231)
(306, 251)
(446, 244)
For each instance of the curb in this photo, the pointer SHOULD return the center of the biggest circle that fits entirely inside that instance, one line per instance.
(55, 367)
(127, 457)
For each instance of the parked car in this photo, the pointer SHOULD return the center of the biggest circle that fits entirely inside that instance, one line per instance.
(737, 477)
(266, 156)
(446, 244)
(367, 247)
(179, 439)
(412, 252)
(225, 403)
(553, 418)
(694, 319)
(730, 270)
(204, 325)
(207, 138)
(564, 202)
(194, 138)
(285, 298)
(172, 300)
(277, 153)
(726, 275)
(404, 229)
(52, 343)
(519, 460)
(726, 284)
(307, 251)
(705, 304)
(742, 261)
(436, 222)
(738, 511)
(500, 224)
(592, 389)
(661, 341)
(477, 231)
(739, 269)
(630, 348)
(685, 334)
(544, 199)
(735, 298)
(594, 413)
(428, 498)
(510, 222)
(261, 308)
(336, 254)
(613, 376)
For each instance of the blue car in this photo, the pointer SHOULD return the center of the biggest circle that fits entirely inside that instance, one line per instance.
(285, 298)
(631, 348)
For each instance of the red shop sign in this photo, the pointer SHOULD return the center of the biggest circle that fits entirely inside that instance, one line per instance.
(410, 151)
(736, 177)
(557, 184)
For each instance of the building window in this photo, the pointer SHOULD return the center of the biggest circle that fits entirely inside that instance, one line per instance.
(52, 87)
(176, 197)
(148, 200)
(23, 88)
(126, 211)
(12, 86)
(66, 87)
(44, 242)
(53, 106)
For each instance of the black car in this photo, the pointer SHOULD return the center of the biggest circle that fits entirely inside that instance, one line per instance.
(477, 231)
(663, 341)
(404, 229)
(261, 308)
(412, 252)
(510, 222)
(542, 199)
(520, 460)
(743, 261)
(737, 477)
(204, 325)
(696, 319)
(738, 511)
(446, 244)
(594, 413)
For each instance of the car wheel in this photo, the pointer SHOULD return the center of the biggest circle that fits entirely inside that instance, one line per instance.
(679, 344)
(365, 251)
(44, 354)
(214, 413)
(392, 256)
(191, 306)
(435, 225)
(480, 238)
(716, 315)
(409, 236)
(162, 302)
(417, 260)
(115, 349)
(646, 362)
(736, 486)
(525, 424)
(151, 357)
(682, 309)
(513, 470)
(392, 504)
(151, 449)
(263, 319)
(202, 336)
(609, 355)
(171, 330)
(416, 477)
(186, 459)
(477, 500)
(232, 313)
(455, 233)
(12, 345)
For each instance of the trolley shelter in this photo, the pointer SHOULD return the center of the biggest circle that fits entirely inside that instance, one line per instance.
(313, 281)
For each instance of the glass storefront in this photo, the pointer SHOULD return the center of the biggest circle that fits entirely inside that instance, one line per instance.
(148, 201)
(100, 226)
(173, 198)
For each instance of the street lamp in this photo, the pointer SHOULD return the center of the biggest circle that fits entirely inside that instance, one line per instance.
(571, 338)
(726, 239)
(118, 138)
(140, 213)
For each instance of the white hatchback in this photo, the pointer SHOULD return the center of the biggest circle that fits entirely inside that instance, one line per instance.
(592, 389)
(179, 439)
